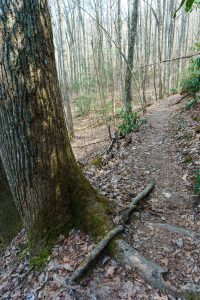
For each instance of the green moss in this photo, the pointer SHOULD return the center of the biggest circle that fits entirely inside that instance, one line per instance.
(90, 210)
(197, 129)
(97, 161)
(112, 248)
(193, 297)
(197, 119)
(39, 261)
(188, 158)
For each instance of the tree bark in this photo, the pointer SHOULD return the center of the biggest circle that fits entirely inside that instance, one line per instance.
(131, 44)
(10, 222)
(49, 189)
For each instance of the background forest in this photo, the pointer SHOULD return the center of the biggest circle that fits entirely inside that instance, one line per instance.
(96, 38)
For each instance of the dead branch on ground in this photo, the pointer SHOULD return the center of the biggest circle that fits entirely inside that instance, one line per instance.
(135, 201)
(95, 253)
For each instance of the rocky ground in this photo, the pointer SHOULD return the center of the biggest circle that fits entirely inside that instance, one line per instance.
(167, 150)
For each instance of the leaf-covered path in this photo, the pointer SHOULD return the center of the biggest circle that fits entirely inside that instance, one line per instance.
(163, 230)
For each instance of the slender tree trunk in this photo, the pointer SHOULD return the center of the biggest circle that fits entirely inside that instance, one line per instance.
(159, 28)
(48, 187)
(131, 44)
(10, 222)
(65, 67)
(119, 40)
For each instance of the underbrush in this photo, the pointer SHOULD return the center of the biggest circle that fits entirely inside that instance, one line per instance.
(197, 185)
(131, 122)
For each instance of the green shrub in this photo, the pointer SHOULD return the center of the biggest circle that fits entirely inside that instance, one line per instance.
(190, 81)
(173, 90)
(83, 105)
(131, 122)
(189, 105)
(197, 185)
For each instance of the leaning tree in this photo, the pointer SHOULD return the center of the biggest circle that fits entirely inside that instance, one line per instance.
(48, 187)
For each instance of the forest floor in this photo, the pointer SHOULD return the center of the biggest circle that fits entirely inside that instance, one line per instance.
(167, 149)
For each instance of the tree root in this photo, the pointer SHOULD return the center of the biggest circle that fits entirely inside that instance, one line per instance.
(181, 230)
(95, 253)
(110, 235)
(152, 273)
(149, 271)
(135, 201)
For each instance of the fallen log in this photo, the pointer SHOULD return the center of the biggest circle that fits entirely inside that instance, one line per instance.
(126, 214)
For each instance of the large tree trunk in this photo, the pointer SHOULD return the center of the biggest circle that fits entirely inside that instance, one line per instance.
(131, 44)
(49, 189)
(10, 222)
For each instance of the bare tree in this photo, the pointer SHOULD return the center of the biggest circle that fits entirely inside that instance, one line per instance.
(131, 44)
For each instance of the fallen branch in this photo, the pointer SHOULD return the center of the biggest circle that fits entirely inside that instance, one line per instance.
(171, 59)
(182, 98)
(135, 201)
(95, 253)
(111, 145)
(113, 141)
(128, 140)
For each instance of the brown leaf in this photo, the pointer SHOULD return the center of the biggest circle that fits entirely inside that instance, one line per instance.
(110, 271)
(165, 261)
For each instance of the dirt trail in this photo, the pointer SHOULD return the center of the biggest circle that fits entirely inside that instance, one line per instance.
(170, 202)
(153, 155)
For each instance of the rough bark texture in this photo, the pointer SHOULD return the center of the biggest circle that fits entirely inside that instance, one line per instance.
(49, 189)
(131, 45)
(10, 222)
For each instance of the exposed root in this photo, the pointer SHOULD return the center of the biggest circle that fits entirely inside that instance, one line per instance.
(135, 201)
(95, 253)
(181, 230)
(153, 273)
